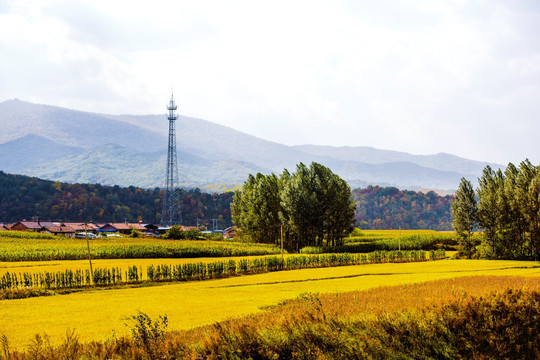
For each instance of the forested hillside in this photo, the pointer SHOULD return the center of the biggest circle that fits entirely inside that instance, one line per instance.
(389, 208)
(23, 197)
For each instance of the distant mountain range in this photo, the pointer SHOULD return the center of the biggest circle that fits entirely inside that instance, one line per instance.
(75, 146)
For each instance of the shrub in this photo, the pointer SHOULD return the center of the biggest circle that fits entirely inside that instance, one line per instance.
(148, 334)
(356, 232)
(217, 236)
(175, 233)
(193, 234)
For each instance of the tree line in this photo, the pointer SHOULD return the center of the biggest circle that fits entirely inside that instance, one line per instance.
(310, 207)
(23, 197)
(506, 206)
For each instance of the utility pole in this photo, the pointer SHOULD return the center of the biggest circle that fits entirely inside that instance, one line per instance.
(400, 238)
(89, 256)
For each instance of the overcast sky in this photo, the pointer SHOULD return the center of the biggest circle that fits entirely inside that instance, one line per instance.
(461, 77)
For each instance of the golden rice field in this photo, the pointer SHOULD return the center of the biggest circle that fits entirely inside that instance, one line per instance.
(98, 314)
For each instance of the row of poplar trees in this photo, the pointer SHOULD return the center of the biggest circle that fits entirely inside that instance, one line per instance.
(310, 207)
(506, 207)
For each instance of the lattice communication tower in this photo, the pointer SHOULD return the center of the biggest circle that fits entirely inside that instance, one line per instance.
(171, 212)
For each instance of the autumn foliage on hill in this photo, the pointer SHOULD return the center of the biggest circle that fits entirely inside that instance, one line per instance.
(23, 197)
(389, 208)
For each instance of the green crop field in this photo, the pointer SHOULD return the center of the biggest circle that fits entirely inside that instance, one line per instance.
(98, 314)
(24, 246)
(362, 241)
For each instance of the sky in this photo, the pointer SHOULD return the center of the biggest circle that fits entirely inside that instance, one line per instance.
(420, 76)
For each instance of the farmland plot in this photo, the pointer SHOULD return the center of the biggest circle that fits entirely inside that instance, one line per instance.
(96, 315)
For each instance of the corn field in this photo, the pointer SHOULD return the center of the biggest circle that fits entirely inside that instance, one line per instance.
(48, 247)
(201, 271)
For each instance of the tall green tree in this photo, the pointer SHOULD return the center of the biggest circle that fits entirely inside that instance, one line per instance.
(508, 211)
(339, 212)
(504, 219)
(516, 227)
(533, 215)
(488, 212)
(319, 205)
(256, 210)
(299, 200)
(310, 207)
(526, 193)
(465, 216)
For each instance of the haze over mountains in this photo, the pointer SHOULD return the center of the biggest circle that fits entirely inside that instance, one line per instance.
(74, 146)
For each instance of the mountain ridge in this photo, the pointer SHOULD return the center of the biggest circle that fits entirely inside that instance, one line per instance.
(208, 152)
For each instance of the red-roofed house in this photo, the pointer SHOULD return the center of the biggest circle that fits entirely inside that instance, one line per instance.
(81, 227)
(31, 225)
(185, 228)
(229, 232)
(59, 230)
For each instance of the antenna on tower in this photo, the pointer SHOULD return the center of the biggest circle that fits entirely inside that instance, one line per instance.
(171, 214)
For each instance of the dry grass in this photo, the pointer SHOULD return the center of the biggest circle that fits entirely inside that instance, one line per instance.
(480, 317)
(379, 300)
(414, 296)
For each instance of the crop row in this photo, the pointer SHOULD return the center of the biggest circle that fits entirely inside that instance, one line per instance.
(25, 235)
(74, 249)
(408, 242)
(406, 235)
(201, 271)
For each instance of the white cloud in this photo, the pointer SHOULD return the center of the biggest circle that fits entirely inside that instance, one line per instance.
(525, 65)
(389, 74)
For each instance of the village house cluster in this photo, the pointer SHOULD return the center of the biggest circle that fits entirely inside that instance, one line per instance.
(74, 229)
(82, 229)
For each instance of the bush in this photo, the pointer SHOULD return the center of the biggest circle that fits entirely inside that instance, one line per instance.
(217, 236)
(175, 233)
(193, 234)
(356, 232)
(149, 334)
